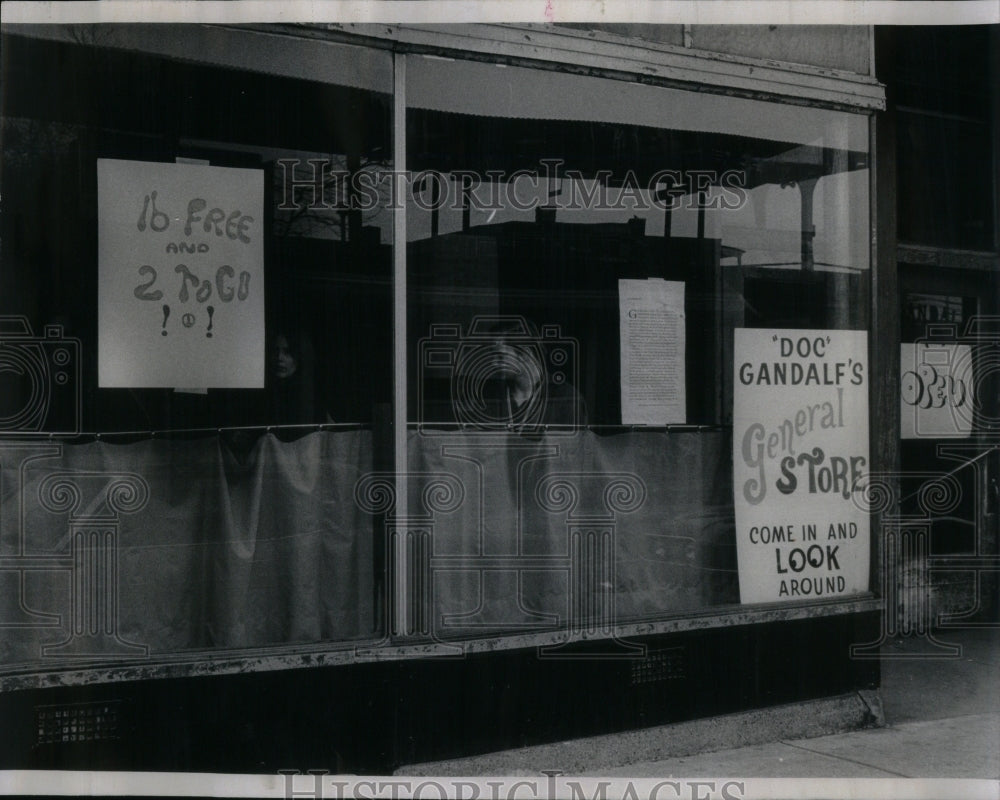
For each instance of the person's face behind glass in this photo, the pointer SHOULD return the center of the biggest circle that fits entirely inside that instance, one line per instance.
(516, 365)
(284, 359)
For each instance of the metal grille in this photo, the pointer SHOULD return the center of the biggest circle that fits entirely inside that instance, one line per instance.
(78, 722)
(660, 665)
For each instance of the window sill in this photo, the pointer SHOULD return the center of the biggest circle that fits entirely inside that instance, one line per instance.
(285, 657)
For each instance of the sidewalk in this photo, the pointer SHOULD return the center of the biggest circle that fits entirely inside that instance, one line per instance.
(942, 721)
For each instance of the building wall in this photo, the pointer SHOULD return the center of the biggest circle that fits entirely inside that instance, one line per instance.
(835, 46)
(838, 47)
(660, 34)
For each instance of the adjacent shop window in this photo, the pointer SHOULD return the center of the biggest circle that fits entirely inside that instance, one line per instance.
(190, 285)
(582, 256)
(946, 139)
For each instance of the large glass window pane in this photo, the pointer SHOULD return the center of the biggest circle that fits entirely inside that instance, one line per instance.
(592, 481)
(239, 526)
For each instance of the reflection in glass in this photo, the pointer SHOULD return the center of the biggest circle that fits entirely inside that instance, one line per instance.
(534, 194)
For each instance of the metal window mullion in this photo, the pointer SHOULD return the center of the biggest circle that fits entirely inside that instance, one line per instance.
(883, 326)
(876, 554)
(398, 564)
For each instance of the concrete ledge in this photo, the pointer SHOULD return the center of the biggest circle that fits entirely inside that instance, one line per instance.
(793, 721)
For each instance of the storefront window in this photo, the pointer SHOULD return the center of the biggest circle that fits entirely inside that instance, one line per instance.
(202, 309)
(582, 256)
(195, 423)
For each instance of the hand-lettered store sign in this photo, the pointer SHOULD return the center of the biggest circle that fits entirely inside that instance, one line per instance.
(936, 390)
(800, 452)
(181, 289)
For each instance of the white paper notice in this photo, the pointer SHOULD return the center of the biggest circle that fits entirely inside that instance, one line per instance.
(653, 342)
(181, 275)
(800, 463)
(936, 391)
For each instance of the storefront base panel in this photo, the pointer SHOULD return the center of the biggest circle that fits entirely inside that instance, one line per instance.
(374, 718)
(504, 701)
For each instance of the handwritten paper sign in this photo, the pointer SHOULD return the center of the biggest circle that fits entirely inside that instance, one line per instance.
(652, 336)
(936, 390)
(800, 452)
(181, 275)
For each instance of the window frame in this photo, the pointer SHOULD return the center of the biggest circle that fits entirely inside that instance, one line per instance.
(537, 47)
